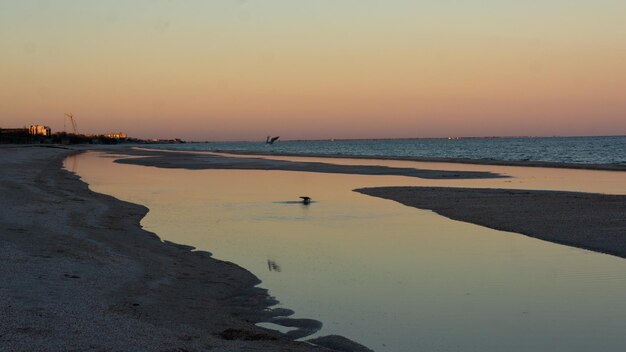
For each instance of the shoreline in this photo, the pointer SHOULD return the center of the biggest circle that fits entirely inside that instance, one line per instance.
(546, 164)
(79, 272)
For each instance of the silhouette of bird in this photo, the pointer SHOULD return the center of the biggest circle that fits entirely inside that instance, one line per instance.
(271, 140)
(306, 200)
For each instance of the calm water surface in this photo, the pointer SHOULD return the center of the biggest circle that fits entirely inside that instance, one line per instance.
(584, 150)
(391, 277)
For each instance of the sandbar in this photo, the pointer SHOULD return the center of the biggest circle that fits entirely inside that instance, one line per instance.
(595, 222)
(205, 161)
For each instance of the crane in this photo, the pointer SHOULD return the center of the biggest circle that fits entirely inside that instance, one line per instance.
(72, 121)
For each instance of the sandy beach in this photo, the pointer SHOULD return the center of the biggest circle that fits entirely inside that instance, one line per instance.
(79, 273)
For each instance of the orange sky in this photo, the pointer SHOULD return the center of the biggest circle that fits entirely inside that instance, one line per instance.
(233, 70)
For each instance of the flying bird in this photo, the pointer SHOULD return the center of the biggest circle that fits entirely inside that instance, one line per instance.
(271, 140)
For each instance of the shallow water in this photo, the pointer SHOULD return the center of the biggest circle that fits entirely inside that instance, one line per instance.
(391, 277)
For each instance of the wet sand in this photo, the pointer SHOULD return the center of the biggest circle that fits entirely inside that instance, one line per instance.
(79, 273)
(595, 222)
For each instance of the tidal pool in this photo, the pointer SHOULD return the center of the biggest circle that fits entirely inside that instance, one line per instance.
(391, 277)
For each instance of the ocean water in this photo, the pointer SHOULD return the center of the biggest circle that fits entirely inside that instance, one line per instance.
(583, 150)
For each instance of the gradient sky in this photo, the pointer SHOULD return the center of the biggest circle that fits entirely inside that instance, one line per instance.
(308, 69)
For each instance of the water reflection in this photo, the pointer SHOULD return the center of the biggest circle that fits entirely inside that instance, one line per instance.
(273, 266)
(295, 202)
(71, 163)
(391, 277)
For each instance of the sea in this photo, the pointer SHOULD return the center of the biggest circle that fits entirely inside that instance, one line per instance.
(606, 150)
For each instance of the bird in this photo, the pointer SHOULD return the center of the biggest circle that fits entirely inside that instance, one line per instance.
(306, 200)
(271, 140)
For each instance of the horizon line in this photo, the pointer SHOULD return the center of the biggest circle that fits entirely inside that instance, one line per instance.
(399, 138)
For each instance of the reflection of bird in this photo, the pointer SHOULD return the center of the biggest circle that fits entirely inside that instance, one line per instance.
(273, 266)
(271, 140)
(306, 200)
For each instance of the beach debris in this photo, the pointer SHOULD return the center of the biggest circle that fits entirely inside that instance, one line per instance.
(306, 200)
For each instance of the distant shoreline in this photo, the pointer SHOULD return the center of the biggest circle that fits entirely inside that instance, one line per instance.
(409, 138)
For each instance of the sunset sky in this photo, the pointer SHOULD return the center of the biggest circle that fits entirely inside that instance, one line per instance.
(309, 69)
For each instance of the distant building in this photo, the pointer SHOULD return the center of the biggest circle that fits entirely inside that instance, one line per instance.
(14, 130)
(39, 130)
(15, 136)
(118, 135)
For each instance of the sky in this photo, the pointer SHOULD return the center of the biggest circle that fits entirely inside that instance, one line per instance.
(315, 69)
